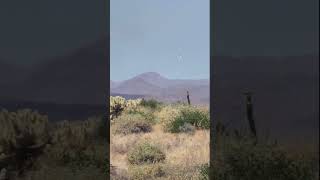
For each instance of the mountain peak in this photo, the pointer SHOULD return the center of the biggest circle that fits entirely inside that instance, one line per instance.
(150, 74)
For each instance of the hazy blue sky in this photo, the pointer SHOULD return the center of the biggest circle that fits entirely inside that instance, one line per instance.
(168, 37)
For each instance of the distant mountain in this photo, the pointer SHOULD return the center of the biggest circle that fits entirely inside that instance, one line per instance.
(153, 85)
(11, 79)
(76, 78)
(154, 79)
(113, 84)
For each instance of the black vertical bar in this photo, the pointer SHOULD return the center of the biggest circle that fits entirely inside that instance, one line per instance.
(212, 125)
(107, 98)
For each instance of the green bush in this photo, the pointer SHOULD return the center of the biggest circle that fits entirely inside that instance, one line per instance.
(193, 116)
(247, 161)
(146, 112)
(131, 123)
(21, 129)
(187, 128)
(152, 103)
(204, 172)
(24, 135)
(145, 153)
(31, 148)
(146, 172)
(79, 144)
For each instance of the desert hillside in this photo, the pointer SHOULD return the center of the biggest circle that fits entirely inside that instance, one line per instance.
(153, 85)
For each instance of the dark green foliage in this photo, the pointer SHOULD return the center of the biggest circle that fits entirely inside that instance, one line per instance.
(147, 115)
(187, 128)
(246, 161)
(152, 103)
(204, 172)
(23, 136)
(197, 118)
(102, 127)
(145, 153)
(80, 144)
(180, 103)
(32, 148)
(129, 124)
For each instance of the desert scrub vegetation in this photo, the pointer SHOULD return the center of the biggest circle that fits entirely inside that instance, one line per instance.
(23, 136)
(239, 156)
(150, 171)
(151, 103)
(145, 153)
(118, 104)
(189, 117)
(33, 148)
(181, 135)
(183, 118)
(131, 123)
(158, 153)
(79, 145)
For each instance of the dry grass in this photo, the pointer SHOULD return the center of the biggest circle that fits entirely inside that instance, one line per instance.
(183, 151)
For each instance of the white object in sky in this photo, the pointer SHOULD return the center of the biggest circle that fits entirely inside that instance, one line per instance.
(180, 58)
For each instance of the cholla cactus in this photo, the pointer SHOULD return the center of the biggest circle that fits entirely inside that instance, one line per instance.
(22, 129)
(132, 104)
(119, 104)
(76, 143)
(23, 134)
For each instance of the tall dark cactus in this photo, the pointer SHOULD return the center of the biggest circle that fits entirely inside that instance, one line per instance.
(188, 98)
(249, 113)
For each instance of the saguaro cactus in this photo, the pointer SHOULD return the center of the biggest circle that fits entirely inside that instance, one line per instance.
(249, 112)
(188, 98)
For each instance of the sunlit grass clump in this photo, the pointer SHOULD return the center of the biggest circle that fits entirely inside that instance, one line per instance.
(146, 153)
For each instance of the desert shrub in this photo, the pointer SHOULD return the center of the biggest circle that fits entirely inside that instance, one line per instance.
(21, 129)
(145, 172)
(179, 103)
(118, 104)
(131, 123)
(151, 103)
(133, 103)
(189, 115)
(77, 144)
(247, 161)
(146, 112)
(99, 127)
(187, 128)
(23, 136)
(62, 173)
(145, 153)
(204, 172)
(167, 114)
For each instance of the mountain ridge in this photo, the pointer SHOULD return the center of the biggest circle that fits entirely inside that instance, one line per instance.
(154, 85)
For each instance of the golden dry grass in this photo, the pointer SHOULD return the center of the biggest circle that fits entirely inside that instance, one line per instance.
(183, 151)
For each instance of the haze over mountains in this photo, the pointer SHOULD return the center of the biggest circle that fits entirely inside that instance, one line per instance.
(76, 78)
(154, 85)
